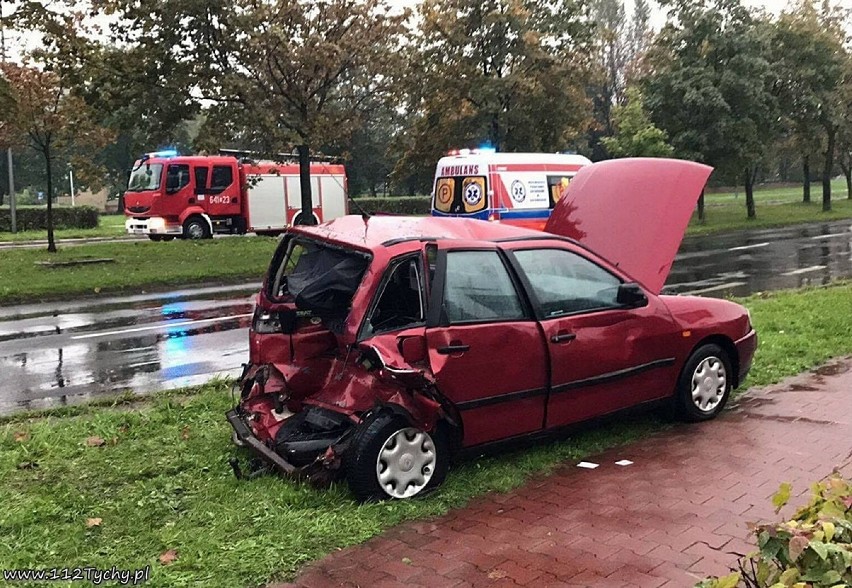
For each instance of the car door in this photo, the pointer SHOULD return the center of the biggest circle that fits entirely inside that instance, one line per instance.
(485, 347)
(604, 355)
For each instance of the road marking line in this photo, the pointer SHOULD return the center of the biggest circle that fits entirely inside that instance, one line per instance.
(713, 288)
(161, 327)
(803, 270)
(744, 247)
(830, 235)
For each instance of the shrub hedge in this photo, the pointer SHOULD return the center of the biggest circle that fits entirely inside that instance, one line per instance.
(35, 219)
(402, 205)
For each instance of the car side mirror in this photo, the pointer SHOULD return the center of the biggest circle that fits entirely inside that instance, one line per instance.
(412, 349)
(631, 295)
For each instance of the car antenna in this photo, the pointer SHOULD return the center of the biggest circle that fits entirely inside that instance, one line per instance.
(364, 214)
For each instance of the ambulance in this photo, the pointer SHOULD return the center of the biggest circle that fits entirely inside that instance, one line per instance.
(515, 188)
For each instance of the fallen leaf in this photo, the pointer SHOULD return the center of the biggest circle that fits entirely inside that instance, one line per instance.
(95, 441)
(497, 574)
(94, 522)
(184, 434)
(406, 561)
(168, 557)
(27, 465)
(98, 290)
(20, 437)
(113, 441)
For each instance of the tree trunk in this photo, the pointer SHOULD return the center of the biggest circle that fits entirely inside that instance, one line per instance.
(307, 216)
(749, 190)
(826, 170)
(847, 171)
(48, 161)
(701, 208)
(806, 179)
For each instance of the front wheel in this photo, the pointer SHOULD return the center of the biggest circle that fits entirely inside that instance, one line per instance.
(704, 384)
(196, 228)
(391, 459)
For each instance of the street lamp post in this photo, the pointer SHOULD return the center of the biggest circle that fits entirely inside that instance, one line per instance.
(71, 179)
(12, 204)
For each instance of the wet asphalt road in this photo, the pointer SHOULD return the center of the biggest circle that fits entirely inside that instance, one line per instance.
(67, 352)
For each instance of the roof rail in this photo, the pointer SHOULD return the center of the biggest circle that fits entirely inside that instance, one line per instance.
(279, 157)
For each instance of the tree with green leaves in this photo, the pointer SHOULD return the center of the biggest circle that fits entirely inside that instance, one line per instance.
(635, 134)
(710, 87)
(39, 112)
(809, 58)
(297, 72)
(508, 73)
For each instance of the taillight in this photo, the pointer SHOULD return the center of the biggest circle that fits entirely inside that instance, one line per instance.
(265, 322)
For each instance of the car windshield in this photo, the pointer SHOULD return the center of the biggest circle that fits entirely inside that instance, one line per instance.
(317, 277)
(145, 177)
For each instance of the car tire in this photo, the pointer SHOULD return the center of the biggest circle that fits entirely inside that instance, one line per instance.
(705, 384)
(376, 468)
(196, 228)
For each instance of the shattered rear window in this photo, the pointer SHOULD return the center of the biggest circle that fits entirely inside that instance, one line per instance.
(318, 278)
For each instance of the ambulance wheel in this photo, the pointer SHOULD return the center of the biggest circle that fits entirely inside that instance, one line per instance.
(388, 458)
(196, 228)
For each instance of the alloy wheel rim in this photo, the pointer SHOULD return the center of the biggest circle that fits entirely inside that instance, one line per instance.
(406, 463)
(196, 231)
(709, 382)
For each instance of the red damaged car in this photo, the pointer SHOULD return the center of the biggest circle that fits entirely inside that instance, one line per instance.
(382, 346)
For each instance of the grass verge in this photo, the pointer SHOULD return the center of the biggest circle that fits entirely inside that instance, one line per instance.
(136, 266)
(160, 481)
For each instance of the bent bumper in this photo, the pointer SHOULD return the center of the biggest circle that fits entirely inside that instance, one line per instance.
(745, 351)
(244, 434)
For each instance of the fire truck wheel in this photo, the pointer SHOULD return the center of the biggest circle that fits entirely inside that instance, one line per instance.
(196, 228)
(297, 220)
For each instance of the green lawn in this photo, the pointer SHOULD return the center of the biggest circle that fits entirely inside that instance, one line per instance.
(137, 266)
(109, 225)
(160, 481)
(774, 207)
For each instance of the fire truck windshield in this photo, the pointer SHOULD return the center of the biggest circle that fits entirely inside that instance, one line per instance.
(145, 177)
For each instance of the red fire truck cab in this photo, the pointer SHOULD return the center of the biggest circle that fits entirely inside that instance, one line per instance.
(193, 197)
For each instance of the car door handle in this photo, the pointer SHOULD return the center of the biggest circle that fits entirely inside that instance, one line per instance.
(450, 349)
(562, 337)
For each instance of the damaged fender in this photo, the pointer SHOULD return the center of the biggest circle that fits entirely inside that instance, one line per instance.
(300, 416)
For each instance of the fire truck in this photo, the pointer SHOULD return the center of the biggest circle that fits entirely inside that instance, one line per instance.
(193, 197)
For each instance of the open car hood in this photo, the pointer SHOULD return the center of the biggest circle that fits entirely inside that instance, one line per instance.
(633, 212)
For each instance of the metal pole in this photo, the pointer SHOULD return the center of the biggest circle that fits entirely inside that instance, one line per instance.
(12, 212)
(71, 179)
(9, 162)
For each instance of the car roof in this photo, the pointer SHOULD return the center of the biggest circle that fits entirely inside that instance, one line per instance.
(386, 230)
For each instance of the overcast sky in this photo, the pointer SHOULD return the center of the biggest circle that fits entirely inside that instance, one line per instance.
(17, 43)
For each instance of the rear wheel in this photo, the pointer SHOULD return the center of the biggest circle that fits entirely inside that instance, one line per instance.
(391, 459)
(705, 384)
(196, 228)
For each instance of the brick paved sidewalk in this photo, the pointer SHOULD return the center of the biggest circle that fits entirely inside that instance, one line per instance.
(673, 516)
